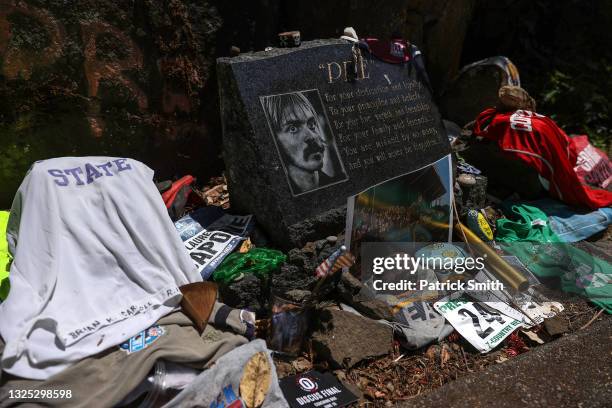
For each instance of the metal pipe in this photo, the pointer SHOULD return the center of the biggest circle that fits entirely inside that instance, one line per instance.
(497, 265)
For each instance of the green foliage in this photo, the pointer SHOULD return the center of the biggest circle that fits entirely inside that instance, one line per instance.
(579, 100)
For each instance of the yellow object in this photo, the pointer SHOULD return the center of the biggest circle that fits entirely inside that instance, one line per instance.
(4, 256)
(256, 380)
(497, 265)
(484, 226)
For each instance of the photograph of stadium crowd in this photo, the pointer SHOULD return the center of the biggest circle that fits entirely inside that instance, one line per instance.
(414, 207)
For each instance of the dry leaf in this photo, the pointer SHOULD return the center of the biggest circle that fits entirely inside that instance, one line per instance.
(246, 246)
(501, 359)
(444, 355)
(301, 364)
(532, 336)
(256, 379)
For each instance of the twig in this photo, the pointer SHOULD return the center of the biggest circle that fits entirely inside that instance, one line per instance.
(465, 359)
(398, 359)
(592, 320)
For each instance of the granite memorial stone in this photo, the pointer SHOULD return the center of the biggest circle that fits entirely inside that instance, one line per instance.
(304, 128)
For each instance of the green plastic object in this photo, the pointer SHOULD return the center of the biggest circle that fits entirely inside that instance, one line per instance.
(258, 261)
(4, 256)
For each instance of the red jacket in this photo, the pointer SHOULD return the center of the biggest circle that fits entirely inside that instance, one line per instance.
(570, 167)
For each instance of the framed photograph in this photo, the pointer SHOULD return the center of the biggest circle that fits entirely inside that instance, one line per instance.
(414, 207)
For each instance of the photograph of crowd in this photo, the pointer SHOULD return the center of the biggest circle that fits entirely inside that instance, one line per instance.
(414, 207)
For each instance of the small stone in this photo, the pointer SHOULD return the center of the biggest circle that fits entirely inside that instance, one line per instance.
(297, 295)
(556, 325)
(433, 352)
(332, 239)
(466, 180)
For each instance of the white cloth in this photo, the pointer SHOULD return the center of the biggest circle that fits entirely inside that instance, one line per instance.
(96, 260)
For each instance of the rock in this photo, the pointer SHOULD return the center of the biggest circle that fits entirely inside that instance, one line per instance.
(250, 292)
(473, 196)
(556, 325)
(298, 272)
(290, 277)
(298, 191)
(344, 339)
(355, 294)
(466, 179)
(433, 352)
(320, 225)
(512, 98)
(297, 295)
(332, 239)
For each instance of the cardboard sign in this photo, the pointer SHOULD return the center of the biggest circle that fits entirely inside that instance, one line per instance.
(534, 307)
(208, 248)
(484, 328)
(210, 235)
(315, 390)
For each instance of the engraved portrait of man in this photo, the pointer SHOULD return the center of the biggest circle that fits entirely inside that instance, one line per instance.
(304, 140)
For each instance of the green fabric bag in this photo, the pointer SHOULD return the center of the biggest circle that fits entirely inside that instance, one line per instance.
(530, 238)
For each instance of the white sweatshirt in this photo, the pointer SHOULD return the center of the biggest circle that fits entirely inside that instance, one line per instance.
(96, 260)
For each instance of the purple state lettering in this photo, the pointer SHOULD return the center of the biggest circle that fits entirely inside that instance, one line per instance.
(91, 172)
(106, 166)
(73, 173)
(59, 174)
(122, 165)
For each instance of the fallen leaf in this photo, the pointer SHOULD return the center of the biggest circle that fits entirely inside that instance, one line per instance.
(432, 352)
(301, 364)
(444, 355)
(501, 359)
(532, 336)
(255, 381)
(246, 246)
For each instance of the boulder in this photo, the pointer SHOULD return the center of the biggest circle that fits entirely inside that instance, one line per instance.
(344, 339)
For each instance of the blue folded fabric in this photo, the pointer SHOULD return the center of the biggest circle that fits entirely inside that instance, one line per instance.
(571, 225)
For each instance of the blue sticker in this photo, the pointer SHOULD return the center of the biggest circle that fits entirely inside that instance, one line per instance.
(143, 339)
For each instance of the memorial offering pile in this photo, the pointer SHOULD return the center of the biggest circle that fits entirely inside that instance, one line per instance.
(253, 288)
